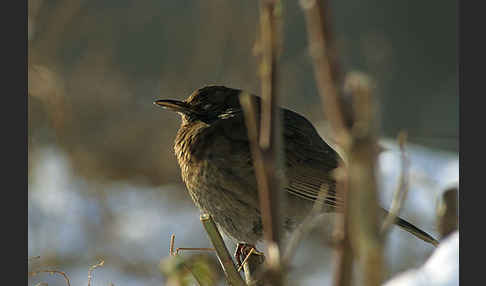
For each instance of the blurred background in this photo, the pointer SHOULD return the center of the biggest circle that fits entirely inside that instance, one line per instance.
(103, 180)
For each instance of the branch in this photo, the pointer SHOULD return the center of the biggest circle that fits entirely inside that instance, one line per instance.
(34, 273)
(340, 119)
(353, 129)
(266, 140)
(324, 55)
(311, 220)
(93, 267)
(402, 190)
(363, 197)
(224, 257)
(269, 147)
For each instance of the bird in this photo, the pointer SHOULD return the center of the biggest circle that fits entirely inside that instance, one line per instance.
(213, 152)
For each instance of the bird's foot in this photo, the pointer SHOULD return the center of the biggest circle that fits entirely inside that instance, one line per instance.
(244, 250)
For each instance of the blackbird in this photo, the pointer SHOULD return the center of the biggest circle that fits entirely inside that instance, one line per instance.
(213, 152)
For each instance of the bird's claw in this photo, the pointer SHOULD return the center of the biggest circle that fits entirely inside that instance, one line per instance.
(245, 250)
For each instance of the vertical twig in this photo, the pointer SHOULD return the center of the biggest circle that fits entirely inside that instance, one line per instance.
(355, 133)
(265, 139)
(340, 119)
(402, 190)
(363, 198)
(171, 245)
(343, 252)
(269, 139)
(224, 257)
(326, 71)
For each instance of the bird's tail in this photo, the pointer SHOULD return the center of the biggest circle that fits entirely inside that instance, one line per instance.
(416, 231)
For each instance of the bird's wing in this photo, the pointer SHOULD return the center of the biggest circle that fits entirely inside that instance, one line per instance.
(309, 161)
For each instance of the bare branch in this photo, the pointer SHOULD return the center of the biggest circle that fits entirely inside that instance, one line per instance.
(322, 50)
(310, 221)
(171, 245)
(34, 273)
(266, 139)
(93, 267)
(363, 197)
(178, 249)
(401, 192)
(270, 127)
(224, 257)
(324, 55)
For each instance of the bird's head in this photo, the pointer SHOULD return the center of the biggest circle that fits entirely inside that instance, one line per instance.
(206, 104)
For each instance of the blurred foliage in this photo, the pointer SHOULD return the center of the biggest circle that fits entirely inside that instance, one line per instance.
(96, 66)
(195, 269)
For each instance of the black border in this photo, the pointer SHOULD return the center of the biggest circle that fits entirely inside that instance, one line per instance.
(472, 67)
(14, 139)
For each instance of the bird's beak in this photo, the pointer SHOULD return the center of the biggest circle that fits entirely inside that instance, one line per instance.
(173, 105)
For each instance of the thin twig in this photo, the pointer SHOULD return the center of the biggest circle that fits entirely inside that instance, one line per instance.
(253, 251)
(178, 249)
(34, 273)
(193, 249)
(264, 132)
(304, 228)
(270, 136)
(402, 190)
(93, 267)
(224, 257)
(251, 267)
(171, 245)
(343, 251)
(321, 44)
(175, 253)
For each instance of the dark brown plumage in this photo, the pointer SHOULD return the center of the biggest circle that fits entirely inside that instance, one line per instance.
(213, 152)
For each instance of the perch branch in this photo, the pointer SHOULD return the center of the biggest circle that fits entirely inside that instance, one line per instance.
(224, 257)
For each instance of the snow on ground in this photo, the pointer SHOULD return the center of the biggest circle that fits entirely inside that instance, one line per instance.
(65, 220)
